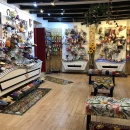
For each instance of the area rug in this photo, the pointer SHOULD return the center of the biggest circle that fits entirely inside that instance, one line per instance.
(106, 126)
(25, 103)
(57, 80)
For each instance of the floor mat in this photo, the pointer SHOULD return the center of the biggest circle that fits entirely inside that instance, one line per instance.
(25, 103)
(106, 126)
(57, 80)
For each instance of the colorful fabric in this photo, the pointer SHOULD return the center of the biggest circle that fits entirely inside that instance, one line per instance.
(103, 83)
(57, 80)
(108, 106)
(106, 126)
(21, 106)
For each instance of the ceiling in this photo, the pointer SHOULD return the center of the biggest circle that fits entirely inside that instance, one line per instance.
(72, 10)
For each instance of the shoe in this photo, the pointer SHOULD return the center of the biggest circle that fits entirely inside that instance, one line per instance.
(128, 48)
(2, 63)
(3, 103)
(119, 44)
(2, 68)
(7, 100)
(9, 97)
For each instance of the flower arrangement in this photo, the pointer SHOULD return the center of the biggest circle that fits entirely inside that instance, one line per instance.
(92, 48)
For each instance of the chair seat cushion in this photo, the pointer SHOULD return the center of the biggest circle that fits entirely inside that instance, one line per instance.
(103, 83)
(108, 106)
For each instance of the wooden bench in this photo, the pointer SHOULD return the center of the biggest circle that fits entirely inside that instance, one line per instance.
(108, 107)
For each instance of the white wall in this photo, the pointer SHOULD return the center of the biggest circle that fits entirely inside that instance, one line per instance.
(25, 15)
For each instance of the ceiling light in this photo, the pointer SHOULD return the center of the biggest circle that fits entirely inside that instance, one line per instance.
(62, 13)
(53, 3)
(35, 4)
(41, 10)
(49, 14)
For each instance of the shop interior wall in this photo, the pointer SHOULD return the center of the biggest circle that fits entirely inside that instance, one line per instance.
(122, 33)
(69, 25)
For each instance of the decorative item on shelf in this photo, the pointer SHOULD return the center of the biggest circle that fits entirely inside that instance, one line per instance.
(30, 22)
(30, 33)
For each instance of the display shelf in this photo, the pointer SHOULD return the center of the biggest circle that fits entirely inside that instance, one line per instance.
(18, 77)
(110, 65)
(74, 65)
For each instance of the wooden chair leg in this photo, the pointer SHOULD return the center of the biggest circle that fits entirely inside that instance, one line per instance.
(88, 122)
(111, 93)
(95, 91)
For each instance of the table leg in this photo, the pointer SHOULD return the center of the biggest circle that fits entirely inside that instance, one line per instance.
(89, 79)
(88, 122)
(111, 92)
(95, 91)
(113, 78)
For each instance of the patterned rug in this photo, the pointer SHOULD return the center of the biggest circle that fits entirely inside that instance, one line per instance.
(25, 103)
(106, 126)
(57, 80)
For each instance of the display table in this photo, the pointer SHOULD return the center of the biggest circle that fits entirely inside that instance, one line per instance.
(16, 77)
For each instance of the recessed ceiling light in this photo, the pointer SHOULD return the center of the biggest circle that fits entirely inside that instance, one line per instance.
(53, 3)
(35, 4)
(41, 10)
(49, 14)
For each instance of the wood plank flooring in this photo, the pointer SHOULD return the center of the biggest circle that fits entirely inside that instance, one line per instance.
(63, 108)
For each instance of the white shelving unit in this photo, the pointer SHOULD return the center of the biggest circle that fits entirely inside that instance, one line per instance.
(18, 77)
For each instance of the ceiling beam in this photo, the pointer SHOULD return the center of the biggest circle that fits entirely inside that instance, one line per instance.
(47, 2)
(76, 11)
(65, 15)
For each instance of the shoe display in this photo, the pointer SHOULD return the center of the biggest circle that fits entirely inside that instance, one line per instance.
(128, 48)
(3, 103)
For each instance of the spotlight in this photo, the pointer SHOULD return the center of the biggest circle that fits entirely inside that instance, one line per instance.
(41, 11)
(114, 21)
(49, 14)
(62, 13)
(117, 25)
(35, 4)
(53, 3)
(82, 23)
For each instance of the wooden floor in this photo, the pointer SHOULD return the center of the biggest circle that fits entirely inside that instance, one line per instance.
(63, 108)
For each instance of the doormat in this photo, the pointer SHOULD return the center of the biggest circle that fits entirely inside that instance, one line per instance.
(57, 80)
(25, 103)
(106, 126)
